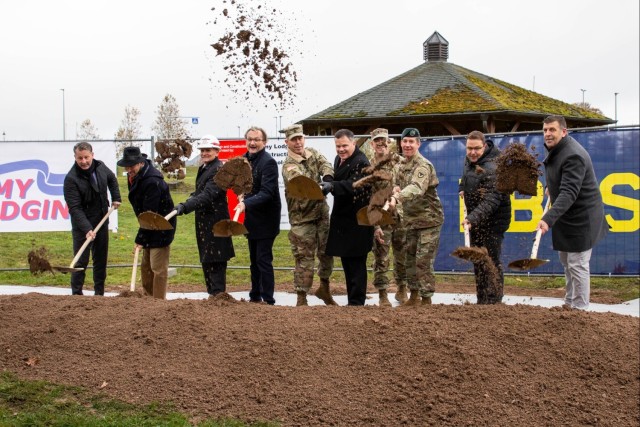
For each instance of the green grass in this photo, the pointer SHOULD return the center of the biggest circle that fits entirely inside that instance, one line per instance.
(184, 252)
(39, 403)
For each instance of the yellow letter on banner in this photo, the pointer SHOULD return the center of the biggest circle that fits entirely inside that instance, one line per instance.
(616, 200)
(534, 205)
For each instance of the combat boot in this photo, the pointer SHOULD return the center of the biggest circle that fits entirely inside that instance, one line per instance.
(384, 298)
(302, 299)
(324, 293)
(414, 299)
(426, 300)
(401, 294)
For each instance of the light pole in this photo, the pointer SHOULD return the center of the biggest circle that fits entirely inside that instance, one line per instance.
(276, 117)
(4, 136)
(238, 131)
(615, 104)
(64, 124)
(583, 91)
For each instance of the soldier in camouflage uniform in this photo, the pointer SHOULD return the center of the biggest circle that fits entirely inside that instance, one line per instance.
(422, 214)
(387, 236)
(309, 219)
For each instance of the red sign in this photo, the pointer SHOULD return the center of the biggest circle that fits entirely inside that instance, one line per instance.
(230, 148)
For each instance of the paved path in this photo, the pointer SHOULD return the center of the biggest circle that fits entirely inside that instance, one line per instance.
(631, 308)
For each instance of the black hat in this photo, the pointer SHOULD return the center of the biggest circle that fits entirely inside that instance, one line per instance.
(131, 156)
(411, 133)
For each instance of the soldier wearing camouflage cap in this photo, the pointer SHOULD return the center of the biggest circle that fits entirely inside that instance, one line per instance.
(309, 219)
(422, 214)
(387, 236)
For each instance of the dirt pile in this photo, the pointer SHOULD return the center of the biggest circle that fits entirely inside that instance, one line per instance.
(517, 170)
(253, 53)
(325, 365)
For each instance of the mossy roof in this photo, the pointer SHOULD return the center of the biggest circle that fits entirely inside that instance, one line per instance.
(436, 88)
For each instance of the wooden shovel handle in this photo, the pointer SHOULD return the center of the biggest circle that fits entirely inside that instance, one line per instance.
(236, 216)
(467, 238)
(87, 241)
(536, 241)
(171, 215)
(135, 268)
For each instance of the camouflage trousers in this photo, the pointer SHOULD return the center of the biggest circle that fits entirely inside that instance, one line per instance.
(308, 240)
(422, 246)
(394, 237)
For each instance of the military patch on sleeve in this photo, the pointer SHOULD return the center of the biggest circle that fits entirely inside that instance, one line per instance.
(421, 174)
(290, 168)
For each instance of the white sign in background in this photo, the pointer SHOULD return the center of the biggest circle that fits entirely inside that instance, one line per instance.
(31, 184)
(278, 149)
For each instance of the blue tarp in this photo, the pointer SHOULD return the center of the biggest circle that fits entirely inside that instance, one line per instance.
(615, 153)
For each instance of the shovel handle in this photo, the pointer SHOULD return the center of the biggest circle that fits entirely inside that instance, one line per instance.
(236, 216)
(135, 268)
(87, 241)
(467, 238)
(536, 241)
(171, 215)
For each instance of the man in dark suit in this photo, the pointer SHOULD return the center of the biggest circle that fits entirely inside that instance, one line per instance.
(262, 215)
(577, 211)
(348, 240)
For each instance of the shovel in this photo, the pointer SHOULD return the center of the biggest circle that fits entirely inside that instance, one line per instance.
(228, 228)
(154, 221)
(467, 252)
(533, 262)
(71, 268)
(135, 268)
(386, 219)
(302, 187)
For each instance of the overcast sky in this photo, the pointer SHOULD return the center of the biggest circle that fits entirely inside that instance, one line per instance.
(110, 54)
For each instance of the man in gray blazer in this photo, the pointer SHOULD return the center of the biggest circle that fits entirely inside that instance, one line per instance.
(577, 212)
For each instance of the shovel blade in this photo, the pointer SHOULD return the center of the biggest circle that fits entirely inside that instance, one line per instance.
(471, 253)
(228, 228)
(363, 217)
(153, 221)
(302, 187)
(527, 264)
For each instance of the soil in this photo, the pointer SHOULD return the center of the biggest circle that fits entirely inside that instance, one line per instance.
(319, 365)
(517, 170)
(39, 261)
(250, 54)
(235, 174)
(171, 157)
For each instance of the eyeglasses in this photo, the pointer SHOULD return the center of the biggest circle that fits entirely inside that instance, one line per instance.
(255, 139)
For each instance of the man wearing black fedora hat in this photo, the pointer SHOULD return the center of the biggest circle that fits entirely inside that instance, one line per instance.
(148, 191)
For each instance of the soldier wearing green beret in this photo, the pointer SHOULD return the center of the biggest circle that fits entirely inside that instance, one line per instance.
(422, 215)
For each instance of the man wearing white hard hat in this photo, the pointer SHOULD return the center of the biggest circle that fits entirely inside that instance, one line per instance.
(210, 205)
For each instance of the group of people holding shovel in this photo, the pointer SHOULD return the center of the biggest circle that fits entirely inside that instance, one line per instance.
(402, 198)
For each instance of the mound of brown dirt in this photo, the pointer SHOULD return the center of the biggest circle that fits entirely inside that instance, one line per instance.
(317, 366)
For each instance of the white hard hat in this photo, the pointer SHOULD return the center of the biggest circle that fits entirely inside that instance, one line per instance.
(209, 141)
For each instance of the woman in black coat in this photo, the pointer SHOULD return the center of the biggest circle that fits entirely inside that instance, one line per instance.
(210, 205)
(347, 239)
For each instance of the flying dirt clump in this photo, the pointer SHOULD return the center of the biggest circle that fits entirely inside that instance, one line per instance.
(38, 261)
(517, 170)
(171, 157)
(235, 174)
(252, 54)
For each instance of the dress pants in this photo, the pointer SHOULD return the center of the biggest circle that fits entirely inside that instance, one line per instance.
(355, 273)
(577, 278)
(262, 277)
(99, 249)
(215, 277)
(489, 290)
(155, 271)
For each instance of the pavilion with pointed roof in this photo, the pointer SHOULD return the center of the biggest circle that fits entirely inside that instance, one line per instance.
(442, 98)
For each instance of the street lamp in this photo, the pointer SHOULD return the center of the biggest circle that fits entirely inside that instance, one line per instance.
(4, 136)
(238, 131)
(615, 103)
(64, 124)
(583, 91)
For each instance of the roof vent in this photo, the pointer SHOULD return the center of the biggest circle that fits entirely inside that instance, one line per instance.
(436, 48)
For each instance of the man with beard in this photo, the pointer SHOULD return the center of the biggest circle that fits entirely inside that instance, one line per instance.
(148, 192)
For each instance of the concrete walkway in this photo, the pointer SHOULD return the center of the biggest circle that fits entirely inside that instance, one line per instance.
(630, 308)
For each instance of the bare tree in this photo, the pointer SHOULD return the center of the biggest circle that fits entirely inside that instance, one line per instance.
(173, 146)
(588, 107)
(129, 129)
(87, 131)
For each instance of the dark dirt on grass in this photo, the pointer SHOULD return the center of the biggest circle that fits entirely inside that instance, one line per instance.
(317, 366)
